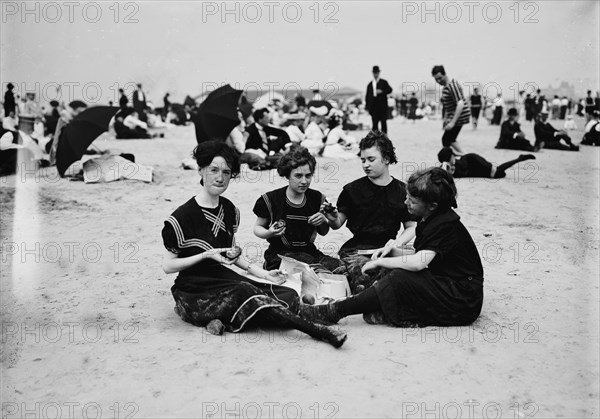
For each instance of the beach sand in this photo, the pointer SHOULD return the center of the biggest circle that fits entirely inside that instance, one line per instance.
(88, 327)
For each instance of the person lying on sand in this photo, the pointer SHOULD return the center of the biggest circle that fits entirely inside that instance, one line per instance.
(473, 165)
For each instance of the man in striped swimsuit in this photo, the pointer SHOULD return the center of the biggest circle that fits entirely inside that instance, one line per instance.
(455, 112)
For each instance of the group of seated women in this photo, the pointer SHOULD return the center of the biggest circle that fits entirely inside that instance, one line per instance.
(440, 282)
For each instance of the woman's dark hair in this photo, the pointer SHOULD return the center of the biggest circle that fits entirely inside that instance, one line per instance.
(382, 142)
(205, 152)
(438, 69)
(433, 185)
(296, 157)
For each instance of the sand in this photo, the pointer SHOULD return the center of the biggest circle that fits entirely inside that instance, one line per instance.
(88, 328)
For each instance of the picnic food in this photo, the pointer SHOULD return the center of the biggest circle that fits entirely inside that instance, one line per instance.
(329, 207)
(280, 224)
(233, 253)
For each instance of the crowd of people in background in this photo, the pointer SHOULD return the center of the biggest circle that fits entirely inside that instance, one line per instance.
(321, 126)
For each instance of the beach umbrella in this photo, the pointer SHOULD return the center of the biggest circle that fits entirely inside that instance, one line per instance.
(217, 114)
(78, 134)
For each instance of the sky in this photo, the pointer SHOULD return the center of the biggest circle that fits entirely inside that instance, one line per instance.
(90, 49)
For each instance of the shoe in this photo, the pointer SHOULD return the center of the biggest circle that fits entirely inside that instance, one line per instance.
(215, 327)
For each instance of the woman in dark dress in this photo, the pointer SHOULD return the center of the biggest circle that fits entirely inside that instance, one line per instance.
(199, 238)
(302, 210)
(441, 284)
(372, 207)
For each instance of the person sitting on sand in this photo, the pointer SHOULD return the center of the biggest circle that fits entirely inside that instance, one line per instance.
(199, 238)
(546, 136)
(373, 206)
(128, 126)
(290, 218)
(473, 165)
(591, 135)
(265, 144)
(294, 126)
(316, 130)
(511, 136)
(441, 284)
(338, 144)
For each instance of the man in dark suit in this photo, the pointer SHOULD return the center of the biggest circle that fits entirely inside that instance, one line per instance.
(511, 136)
(123, 101)
(376, 100)
(265, 144)
(139, 103)
(546, 136)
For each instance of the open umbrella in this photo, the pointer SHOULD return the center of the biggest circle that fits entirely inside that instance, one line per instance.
(217, 114)
(78, 134)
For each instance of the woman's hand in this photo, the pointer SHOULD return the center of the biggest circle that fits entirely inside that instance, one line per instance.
(277, 276)
(370, 265)
(276, 230)
(329, 211)
(317, 219)
(384, 251)
(218, 256)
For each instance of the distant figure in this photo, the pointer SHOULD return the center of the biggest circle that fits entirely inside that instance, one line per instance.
(316, 95)
(529, 107)
(564, 105)
(9, 100)
(591, 135)
(338, 144)
(130, 127)
(413, 103)
(511, 136)
(123, 101)
(473, 165)
(376, 100)
(10, 122)
(546, 136)
(166, 105)
(455, 111)
(139, 102)
(498, 110)
(265, 143)
(569, 124)
(475, 107)
(294, 125)
(538, 101)
(555, 107)
(403, 105)
(590, 105)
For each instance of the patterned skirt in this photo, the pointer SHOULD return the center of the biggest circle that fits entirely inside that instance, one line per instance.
(233, 299)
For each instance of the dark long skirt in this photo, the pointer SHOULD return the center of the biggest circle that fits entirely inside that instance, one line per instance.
(421, 299)
(234, 300)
